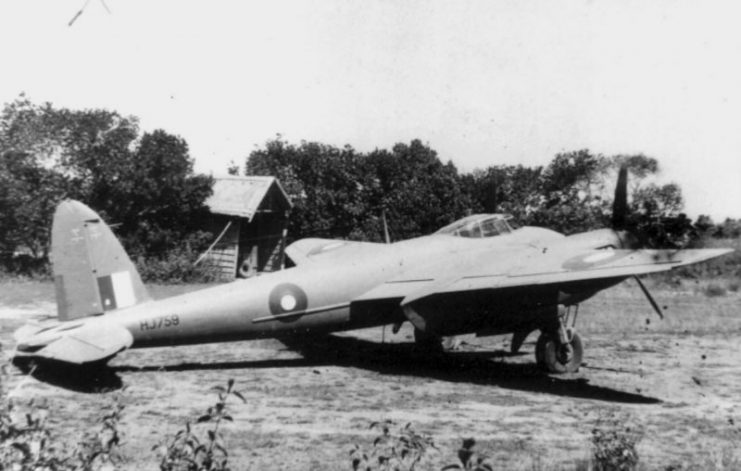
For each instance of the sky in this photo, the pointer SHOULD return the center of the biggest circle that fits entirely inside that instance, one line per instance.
(482, 82)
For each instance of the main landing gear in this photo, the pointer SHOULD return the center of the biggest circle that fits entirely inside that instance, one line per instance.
(559, 348)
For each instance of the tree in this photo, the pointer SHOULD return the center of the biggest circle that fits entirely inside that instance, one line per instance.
(571, 193)
(418, 193)
(729, 229)
(505, 189)
(574, 193)
(30, 142)
(144, 184)
(321, 180)
(341, 193)
(28, 195)
(154, 196)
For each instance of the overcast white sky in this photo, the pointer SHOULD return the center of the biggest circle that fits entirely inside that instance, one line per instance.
(483, 82)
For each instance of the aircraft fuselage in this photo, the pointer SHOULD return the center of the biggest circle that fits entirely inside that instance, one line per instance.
(316, 296)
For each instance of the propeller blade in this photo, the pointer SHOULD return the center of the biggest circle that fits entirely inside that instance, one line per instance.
(620, 204)
(385, 228)
(649, 297)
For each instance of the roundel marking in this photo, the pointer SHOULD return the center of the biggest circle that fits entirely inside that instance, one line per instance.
(287, 298)
(287, 302)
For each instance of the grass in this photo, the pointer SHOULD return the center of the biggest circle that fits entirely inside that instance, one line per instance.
(309, 414)
(16, 292)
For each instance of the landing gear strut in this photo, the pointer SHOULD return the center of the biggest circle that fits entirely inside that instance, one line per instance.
(559, 348)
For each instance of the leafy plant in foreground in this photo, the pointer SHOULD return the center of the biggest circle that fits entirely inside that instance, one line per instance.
(470, 460)
(186, 452)
(402, 451)
(614, 442)
(99, 450)
(27, 442)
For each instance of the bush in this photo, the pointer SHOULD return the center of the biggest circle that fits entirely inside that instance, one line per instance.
(186, 452)
(614, 444)
(470, 460)
(176, 267)
(28, 444)
(400, 451)
(26, 266)
(713, 290)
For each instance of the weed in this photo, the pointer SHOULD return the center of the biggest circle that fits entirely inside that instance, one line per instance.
(471, 460)
(186, 452)
(614, 442)
(400, 451)
(27, 442)
(99, 450)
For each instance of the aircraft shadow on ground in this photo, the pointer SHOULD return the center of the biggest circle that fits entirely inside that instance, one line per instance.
(92, 380)
(405, 359)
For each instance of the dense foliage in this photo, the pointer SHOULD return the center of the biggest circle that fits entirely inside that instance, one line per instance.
(343, 193)
(143, 185)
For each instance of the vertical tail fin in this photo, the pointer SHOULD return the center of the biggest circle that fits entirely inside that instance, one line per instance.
(92, 273)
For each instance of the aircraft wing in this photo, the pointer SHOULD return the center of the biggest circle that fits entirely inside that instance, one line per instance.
(499, 270)
(86, 344)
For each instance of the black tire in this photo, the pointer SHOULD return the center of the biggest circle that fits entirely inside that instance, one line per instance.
(558, 358)
(244, 269)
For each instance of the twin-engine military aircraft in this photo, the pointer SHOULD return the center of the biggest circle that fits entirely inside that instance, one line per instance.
(478, 275)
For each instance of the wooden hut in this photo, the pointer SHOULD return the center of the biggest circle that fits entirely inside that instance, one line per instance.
(250, 217)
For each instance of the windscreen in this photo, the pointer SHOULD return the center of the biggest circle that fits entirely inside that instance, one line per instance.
(478, 226)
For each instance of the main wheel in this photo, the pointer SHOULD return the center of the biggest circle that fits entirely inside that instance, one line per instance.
(245, 269)
(556, 357)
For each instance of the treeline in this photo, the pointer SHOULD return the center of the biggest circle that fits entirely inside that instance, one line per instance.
(141, 183)
(339, 192)
(144, 185)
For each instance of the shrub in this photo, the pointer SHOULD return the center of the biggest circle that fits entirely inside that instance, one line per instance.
(27, 442)
(25, 265)
(614, 444)
(400, 451)
(186, 452)
(176, 266)
(471, 460)
(713, 290)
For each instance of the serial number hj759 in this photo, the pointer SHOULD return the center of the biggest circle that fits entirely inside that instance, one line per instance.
(160, 322)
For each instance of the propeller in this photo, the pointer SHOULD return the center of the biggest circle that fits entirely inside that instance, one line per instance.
(650, 298)
(620, 203)
(385, 228)
(620, 226)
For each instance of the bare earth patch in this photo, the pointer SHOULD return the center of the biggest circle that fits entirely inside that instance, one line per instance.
(309, 402)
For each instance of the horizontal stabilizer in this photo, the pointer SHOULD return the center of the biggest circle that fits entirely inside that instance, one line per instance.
(87, 345)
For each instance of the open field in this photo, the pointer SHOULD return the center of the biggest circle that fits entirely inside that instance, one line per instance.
(677, 379)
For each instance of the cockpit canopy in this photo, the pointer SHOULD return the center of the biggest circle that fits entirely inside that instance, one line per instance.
(479, 225)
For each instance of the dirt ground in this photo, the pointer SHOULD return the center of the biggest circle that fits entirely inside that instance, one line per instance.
(307, 404)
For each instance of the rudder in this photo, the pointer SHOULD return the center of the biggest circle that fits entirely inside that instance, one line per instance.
(92, 273)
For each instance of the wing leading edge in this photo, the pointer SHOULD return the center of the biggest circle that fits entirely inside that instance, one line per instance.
(495, 271)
